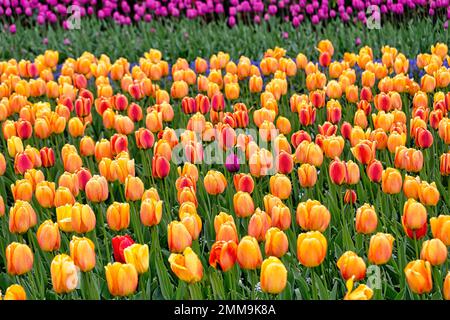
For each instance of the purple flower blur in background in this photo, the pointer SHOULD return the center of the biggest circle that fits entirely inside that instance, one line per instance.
(294, 11)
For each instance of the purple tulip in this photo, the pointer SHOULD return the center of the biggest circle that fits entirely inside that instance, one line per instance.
(232, 162)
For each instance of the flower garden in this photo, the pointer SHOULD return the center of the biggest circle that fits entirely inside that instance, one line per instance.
(142, 159)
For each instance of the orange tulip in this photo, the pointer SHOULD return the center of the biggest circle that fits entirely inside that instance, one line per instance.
(45, 194)
(366, 219)
(82, 252)
(312, 215)
(19, 258)
(248, 253)
(380, 248)
(259, 223)
(21, 217)
(391, 181)
(82, 218)
(418, 276)
(97, 189)
(351, 266)
(178, 236)
(309, 152)
(15, 292)
(311, 248)
(276, 243)
(440, 228)
(48, 236)
(408, 159)
(273, 275)
(446, 287)
(364, 151)
(414, 219)
(428, 193)
(280, 186)
(122, 279)
(22, 190)
(186, 266)
(134, 188)
(363, 292)
(118, 216)
(411, 187)
(224, 254)
(214, 182)
(243, 204)
(434, 251)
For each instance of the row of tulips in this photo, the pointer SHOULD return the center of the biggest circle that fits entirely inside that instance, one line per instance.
(119, 174)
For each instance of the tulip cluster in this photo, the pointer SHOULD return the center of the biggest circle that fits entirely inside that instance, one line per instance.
(147, 178)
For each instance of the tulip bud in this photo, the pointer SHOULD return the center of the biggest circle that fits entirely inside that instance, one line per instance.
(82, 218)
(15, 292)
(243, 182)
(276, 243)
(414, 219)
(307, 175)
(363, 292)
(366, 219)
(312, 215)
(186, 266)
(138, 256)
(214, 182)
(380, 248)
(248, 253)
(351, 266)
(280, 186)
(224, 254)
(119, 244)
(97, 189)
(418, 276)
(19, 258)
(273, 275)
(22, 190)
(122, 279)
(311, 248)
(118, 216)
(391, 181)
(82, 252)
(434, 251)
(48, 236)
(21, 217)
(178, 237)
(440, 228)
(243, 204)
(259, 223)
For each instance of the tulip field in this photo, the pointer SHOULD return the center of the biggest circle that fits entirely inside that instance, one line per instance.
(312, 168)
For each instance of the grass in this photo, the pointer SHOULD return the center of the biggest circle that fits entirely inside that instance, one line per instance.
(189, 39)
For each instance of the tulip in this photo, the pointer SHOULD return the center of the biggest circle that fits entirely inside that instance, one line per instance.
(243, 204)
(186, 266)
(366, 219)
(70, 181)
(307, 175)
(63, 196)
(418, 276)
(134, 188)
(276, 243)
(82, 218)
(224, 254)
(344, 172)
(192, 222)
(87, 146)
(122, 279)
(414, 219)
(391, 181)
(363, 292)
(411, 187)
(248, 253)
(281, 216)
(97, 189)
(243, 182)
(428, 194)
(64, 274)
(312, 215)
(284, 162)
(364, 151)
(82, 252)
(22, 190)
(273, 275)
(19, 258)
(15, 146)
(119, 244)
(332, 145)
(440, 228)
(48, 236)
(45, 194)
(2, 207)
(21, 217)
(160, 166)
(178, 237)
(280, 186)
(446, 287)
(351, 266)
(259, 223)
(118, 216)
(311, 248)
(408, 159)
(309, 152)
(214, 182)
(15, 292)
(138, 256)
(434, 251)
(380, 248)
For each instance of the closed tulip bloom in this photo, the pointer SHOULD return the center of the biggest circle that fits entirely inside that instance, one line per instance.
(243, 182)
(380, 248)
(363, 292)
(2, 165)
(364, 151)
(138, 256)
(119, 244)
(97, 189)
(70, 181)
(309, 152)
(259, 223)
(366, 219)
(408, 159)
(243, 204)
(187, 194)
(440, 228)
(122, 279)
(277, 243)
(280, 186)
(214, 182)
(178, 236)
(48, 236)
(391, 181)
(22, 190)
(418, 276)
(434, 251)
(2, 207)
(248, 253)
(411, 187)
(223, 254)
(344, 172)
(45, 194)
(332, 146)
(281, 216)
(186, 266)
(311, 248)
(82, 218)
(351, 266)
(428, 193)
(118, 216)
(82, 252)
(144, 138)
(374, 170)
(15, 292)
(273, 276)
(64, 217)
(64, 274)
(19, 259)
(414, 219)
(192, 222)
(21, 217)
(446, 287)
(134, 188)
(307, 175)
(63, 196)
(284, 162)
(312, 215)
(15, 146)
(160, 166)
